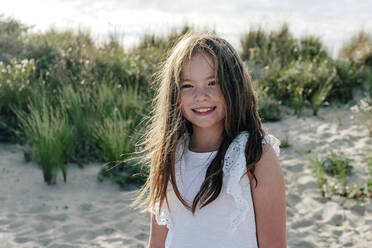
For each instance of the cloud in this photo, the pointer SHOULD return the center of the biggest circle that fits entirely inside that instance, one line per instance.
(334, 21)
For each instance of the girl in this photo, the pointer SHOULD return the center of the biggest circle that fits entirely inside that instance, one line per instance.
(215, 179)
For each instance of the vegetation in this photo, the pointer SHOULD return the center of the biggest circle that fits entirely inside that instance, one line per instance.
(268, 107)
(296, 71)
(358, 49)
(68, 99)
(363, 112)
(284, 143)
(331, 175)
(49, 137)
(337, 165)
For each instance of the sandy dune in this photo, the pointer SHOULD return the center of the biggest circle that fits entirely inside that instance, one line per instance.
(86, 213)
(81, 213)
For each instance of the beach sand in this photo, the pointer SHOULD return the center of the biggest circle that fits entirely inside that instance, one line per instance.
(86, 213)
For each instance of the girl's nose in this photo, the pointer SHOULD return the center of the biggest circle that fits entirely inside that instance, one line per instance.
(201, 94)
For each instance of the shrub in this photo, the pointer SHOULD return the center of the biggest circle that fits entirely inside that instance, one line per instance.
(298, 70)
(268, 106)
(62, 57)
(120, 112)
(265, 48)
(11, 34)
(78, 102)
(301, 81)
(337, 165)
(310, 48)
(349, 75)
(45, 55)
(117, 67)
(16, 80)
(117, 138)
(322, 90)
(358, 49)
(117, 134)
(49, 138)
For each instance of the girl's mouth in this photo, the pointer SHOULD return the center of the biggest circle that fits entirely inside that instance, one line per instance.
(204, 111)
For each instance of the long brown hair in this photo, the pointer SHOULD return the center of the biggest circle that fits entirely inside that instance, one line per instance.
(167, 125)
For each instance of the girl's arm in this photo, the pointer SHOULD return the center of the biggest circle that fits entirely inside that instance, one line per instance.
(158, 234)
(269, 201)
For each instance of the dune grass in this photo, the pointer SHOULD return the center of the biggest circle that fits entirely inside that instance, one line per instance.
(49, 137)
(69, 99)
(332, 173)
(268, 107)
(284, 143)
(16, 81)
(358, 48)
(78, 104)
(296, 71)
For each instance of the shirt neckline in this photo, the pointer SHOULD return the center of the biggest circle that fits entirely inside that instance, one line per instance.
(199, 154)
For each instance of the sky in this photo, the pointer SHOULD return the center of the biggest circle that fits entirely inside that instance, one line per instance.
(335, 22)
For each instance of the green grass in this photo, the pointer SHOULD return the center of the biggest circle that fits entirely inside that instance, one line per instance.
(69, 99)
(319, 174)
(79, 103)
(358, 48)
(338, 167)
(295, 71)
(284, 143)
(49, 137)
(118, 132)
(268, 107)
(16, 81)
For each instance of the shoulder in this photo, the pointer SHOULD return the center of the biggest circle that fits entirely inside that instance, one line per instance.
(269, 198)
(267, 169)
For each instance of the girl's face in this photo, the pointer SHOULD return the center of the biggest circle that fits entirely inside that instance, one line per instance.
(202, 101)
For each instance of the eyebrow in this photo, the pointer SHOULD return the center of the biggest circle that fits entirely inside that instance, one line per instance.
(189, 80)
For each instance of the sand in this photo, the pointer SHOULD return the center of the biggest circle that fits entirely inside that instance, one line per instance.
(313, 221)
(81, 213)
(86, 213)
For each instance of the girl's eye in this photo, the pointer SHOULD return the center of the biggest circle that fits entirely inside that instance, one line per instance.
(186, 86)
(212, 83)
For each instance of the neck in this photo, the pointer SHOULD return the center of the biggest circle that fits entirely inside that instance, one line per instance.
(205, 140)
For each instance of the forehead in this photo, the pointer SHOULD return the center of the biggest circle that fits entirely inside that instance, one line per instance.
(199, 67)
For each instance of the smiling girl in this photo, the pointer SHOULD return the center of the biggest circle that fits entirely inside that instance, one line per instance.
(215, 179)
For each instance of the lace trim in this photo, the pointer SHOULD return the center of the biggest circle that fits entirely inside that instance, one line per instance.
(164, 217)
(235, 167)
(274, 142)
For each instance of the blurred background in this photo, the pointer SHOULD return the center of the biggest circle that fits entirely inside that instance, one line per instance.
(75, 76)
(76, 88)
(333, 21)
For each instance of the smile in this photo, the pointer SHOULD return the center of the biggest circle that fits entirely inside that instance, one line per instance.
(204, 110)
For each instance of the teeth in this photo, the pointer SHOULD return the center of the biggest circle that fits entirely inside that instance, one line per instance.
(203, 110)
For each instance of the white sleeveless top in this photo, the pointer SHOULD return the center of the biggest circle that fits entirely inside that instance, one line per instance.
(228, 221)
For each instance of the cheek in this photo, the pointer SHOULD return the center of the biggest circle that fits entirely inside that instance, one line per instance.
(183, 103)
(223, 103)
(184, 99)
(221, 99)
